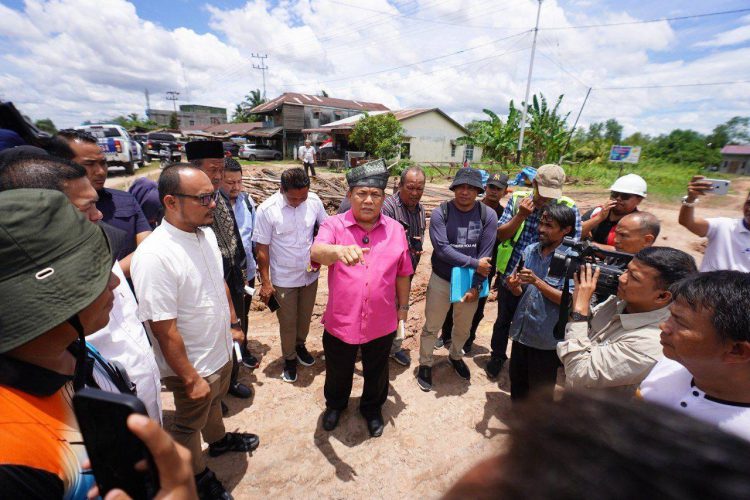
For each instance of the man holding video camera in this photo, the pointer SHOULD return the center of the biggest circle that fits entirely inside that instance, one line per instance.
(728, 239)
(614, 346)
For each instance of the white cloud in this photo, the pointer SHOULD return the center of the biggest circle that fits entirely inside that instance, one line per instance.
(84, 59)
(731, 37)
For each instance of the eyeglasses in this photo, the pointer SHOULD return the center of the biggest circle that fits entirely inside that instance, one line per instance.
(623, 196)
(204, 199)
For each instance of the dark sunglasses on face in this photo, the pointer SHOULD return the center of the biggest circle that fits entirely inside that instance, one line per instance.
(204, 199)
(623, 196)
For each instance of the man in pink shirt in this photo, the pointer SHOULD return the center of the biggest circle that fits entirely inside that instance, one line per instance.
(368, 293)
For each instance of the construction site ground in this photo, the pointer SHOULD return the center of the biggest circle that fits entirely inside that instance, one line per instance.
(430, 439)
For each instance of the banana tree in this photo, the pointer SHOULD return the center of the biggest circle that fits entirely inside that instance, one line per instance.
(547, 131)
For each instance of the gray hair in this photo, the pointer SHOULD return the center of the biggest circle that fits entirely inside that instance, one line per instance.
(413, 168)
(648, 223)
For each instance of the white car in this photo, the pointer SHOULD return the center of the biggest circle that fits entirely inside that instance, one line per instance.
(254, 152)
(116, 144)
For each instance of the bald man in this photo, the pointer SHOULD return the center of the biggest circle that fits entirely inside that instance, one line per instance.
(636, 231)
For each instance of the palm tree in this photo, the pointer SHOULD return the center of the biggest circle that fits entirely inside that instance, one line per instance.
(242, 110)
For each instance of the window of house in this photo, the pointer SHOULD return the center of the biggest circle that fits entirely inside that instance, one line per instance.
(469, 152)
(214, 121)
(406, 150)
(316, 115)
(192, 122)
(453, 150)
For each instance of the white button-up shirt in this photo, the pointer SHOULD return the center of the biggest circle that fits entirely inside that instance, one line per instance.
(124, 340)
(306, 154)
(178, 275)
(288, 231)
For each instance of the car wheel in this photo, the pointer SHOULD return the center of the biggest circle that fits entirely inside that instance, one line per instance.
(252, 158)
(130, 168)
(277, 156)
(147, 158)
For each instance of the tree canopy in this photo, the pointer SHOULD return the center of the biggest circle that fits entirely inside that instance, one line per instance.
(241, 113)
(379, 135)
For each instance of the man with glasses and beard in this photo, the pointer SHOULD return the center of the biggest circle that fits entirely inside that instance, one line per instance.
(179, 281)
(600, 223)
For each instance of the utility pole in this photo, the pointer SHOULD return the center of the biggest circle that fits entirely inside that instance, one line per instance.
(528, 85)
(148, 103)
(173, 96)
(262, 67)
(575, 124)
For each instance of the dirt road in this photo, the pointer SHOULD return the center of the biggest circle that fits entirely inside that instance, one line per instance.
(430, 439)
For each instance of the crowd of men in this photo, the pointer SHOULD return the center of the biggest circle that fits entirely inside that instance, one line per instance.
(134, 291)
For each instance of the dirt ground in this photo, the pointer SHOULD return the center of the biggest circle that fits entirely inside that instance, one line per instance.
(430, 439)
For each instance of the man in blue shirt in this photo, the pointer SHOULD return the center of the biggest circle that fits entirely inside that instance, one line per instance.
(533, 359)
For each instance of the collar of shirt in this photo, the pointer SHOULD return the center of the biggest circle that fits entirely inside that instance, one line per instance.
(350, 221)
(743, 226)
(31, 379)
(634, 321)
(179, 233)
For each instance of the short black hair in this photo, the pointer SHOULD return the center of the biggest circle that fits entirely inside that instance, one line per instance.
(605, 447)
(725, 295)
(57, 146)
(649, 223)
(671, 264)
(169, 179)
(562, 214)
(71, 134)
(408, 170)
(39, 172)
(232, 165)
(294, 178)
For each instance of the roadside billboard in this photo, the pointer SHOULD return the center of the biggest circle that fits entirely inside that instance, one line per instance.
(625, 154)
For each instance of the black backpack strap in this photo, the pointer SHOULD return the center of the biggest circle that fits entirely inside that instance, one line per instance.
(444, 210)
(483, 210)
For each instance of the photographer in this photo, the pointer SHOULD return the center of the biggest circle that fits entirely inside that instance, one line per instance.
(728, 239)
(614, 346)
(533, 361)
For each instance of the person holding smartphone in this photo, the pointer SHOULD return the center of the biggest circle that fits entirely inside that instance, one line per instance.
(728, 238)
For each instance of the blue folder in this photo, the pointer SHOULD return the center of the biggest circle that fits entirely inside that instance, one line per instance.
(461, 278)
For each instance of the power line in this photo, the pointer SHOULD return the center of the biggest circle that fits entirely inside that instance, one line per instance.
(697, 84)
(645, 21)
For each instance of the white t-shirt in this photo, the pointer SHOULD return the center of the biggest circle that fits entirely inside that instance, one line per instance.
(288, 231)
(670, 384)
(306, 154)
(124, 340)
(179, 275)
(728, 246)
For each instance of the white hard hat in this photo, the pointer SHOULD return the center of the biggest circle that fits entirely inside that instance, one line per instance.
(631, 184)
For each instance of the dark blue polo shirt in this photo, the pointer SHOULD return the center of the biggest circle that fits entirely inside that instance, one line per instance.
(121, 210)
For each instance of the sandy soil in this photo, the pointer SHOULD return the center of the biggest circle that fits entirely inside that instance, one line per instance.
(430, 439)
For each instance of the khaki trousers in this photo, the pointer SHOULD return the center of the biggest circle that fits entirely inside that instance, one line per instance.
(436, 307)
(193, 418)
(295, 312)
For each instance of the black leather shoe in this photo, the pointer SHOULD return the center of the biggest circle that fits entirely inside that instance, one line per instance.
(331, 418)
(375, 425)
(240, 390)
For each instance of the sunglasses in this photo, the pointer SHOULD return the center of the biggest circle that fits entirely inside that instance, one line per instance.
(623, 196)
(204, 199)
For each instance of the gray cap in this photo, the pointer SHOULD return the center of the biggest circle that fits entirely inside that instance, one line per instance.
(470, 176)
(371, 174)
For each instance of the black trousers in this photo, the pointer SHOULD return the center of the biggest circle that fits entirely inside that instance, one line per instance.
(340, 358)
(311, 166)
(478, 316)
(243, 320)
(507, 303)
(532, 370)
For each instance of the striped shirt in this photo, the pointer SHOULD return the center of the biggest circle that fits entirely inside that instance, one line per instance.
(394, 208)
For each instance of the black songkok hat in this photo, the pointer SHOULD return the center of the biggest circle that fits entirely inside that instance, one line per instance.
(200, 150)
(371, 174)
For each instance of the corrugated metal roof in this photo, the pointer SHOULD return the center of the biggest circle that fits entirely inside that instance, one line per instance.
(401, 115)
(736, 149)
(297, 100)
(232, 128)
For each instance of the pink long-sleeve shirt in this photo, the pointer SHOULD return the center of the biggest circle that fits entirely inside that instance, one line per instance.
(362, 304)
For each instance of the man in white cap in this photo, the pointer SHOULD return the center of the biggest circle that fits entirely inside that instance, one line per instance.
(625, 195)
(518, 228)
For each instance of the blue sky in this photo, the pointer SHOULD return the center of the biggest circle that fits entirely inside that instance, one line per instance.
(74, 60)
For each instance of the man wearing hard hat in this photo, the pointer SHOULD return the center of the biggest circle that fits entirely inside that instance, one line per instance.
(626, 194)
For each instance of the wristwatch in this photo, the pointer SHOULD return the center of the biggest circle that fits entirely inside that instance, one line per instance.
(689, 203)
(236, 324)
(574, 316)
(404, 307)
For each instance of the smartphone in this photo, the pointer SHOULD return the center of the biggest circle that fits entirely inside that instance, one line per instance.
(112, 449)
(416, 244)
(718, 186)
(520, 265)
(273, 304)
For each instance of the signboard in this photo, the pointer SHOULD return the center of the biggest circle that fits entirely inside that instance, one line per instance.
(625, 154)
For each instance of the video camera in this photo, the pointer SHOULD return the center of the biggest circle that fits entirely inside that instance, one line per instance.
(568, 259)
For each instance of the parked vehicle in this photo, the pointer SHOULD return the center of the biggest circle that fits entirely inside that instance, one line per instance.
(259, 152)
(156, 141)
(166, 157)
(231, 147)
(118, 147)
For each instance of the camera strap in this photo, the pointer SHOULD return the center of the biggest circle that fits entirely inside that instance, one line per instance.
(562, 318)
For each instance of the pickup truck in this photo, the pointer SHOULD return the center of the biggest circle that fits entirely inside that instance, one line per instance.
(116, 144)
(156, 141)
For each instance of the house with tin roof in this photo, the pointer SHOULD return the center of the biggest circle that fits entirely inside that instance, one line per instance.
(430, 135)
(735, 159)
(286, 116)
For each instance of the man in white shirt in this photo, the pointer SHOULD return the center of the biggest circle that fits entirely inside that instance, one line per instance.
(285, 225)
(179, 281)
(705, 372)
(613, 348)
(306, 155)
(728, 239)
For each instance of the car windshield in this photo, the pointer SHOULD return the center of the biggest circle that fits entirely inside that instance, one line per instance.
(100, 132)
(160, 137)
